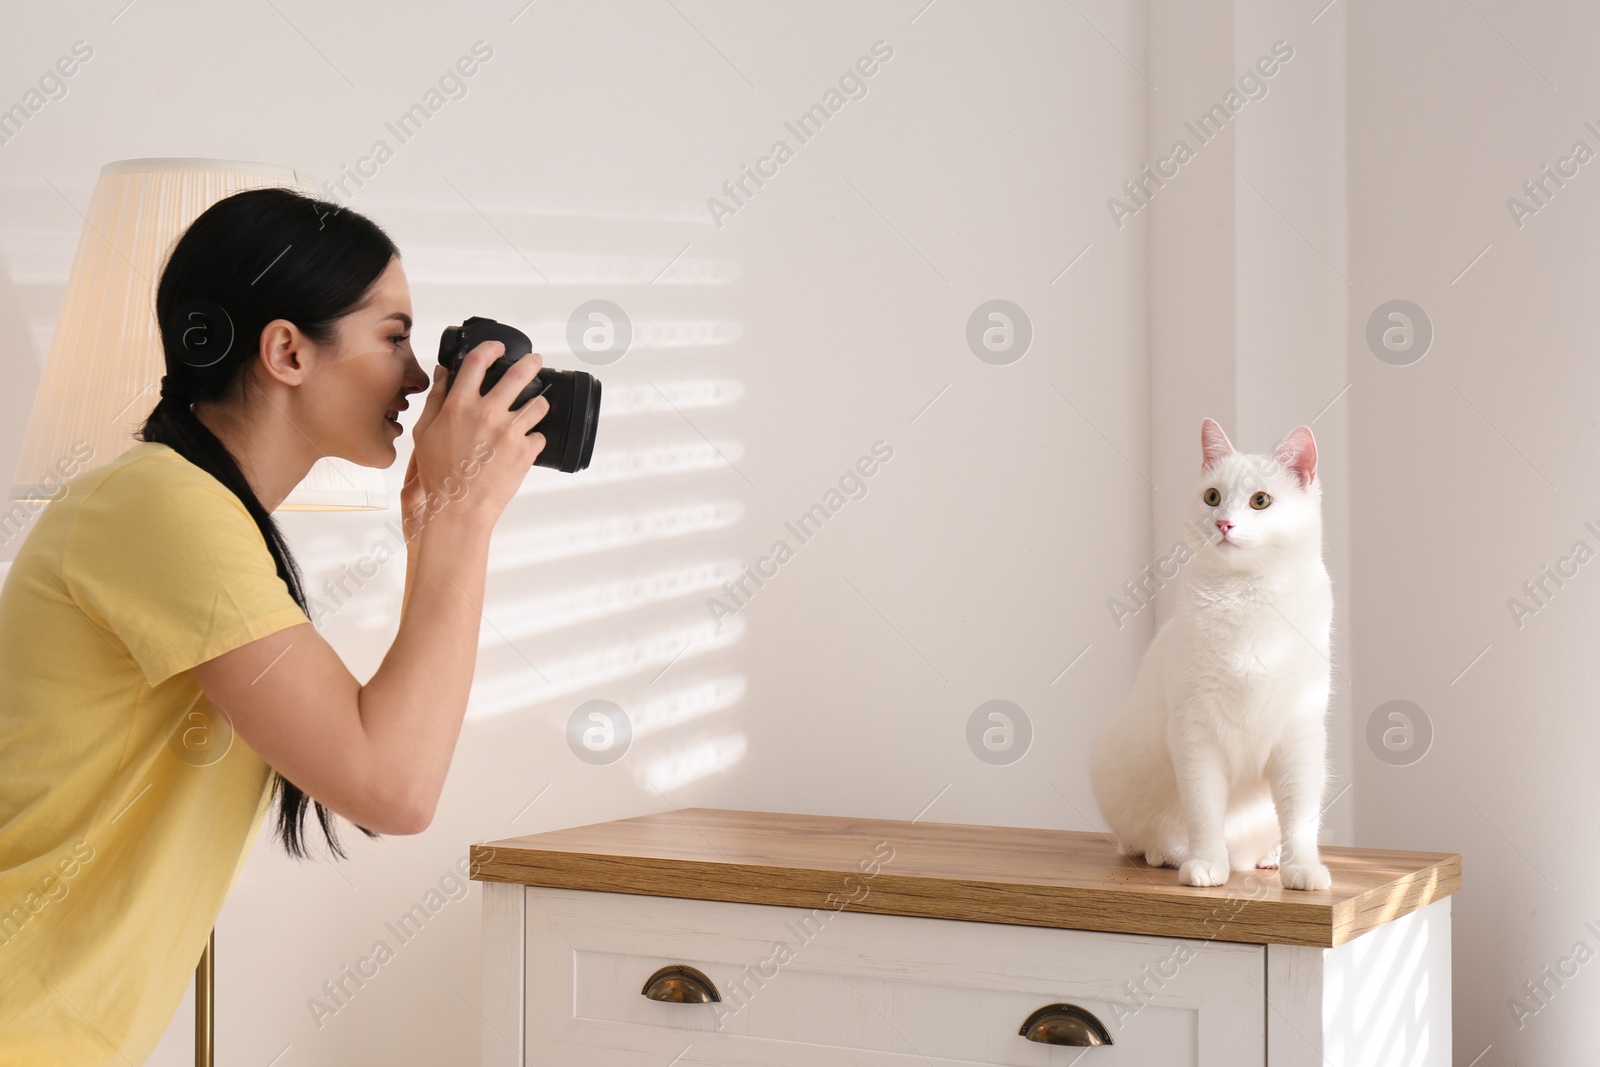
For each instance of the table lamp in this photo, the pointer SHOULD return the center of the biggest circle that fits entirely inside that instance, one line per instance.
(103, 374)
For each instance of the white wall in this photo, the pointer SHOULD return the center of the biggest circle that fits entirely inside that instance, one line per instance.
(830, 313)
(1475, 471)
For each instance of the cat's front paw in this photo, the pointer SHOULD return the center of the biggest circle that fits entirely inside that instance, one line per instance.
(1203, 872)
(1305, 876)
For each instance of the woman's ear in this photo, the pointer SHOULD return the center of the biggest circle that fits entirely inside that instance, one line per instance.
(283, 352)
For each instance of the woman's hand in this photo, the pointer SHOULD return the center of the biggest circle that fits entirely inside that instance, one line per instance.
(412, 496)
(472, 450)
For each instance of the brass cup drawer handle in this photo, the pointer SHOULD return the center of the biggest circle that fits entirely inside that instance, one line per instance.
(1065, 1024)
(680, 984)
(1053, 1024)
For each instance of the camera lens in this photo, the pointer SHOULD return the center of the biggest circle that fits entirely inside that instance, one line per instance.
(570, 424)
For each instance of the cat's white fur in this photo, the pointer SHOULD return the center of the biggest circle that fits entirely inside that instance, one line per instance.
(1222, 737)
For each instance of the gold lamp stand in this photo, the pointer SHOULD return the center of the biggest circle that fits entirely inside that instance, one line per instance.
(205, 1019)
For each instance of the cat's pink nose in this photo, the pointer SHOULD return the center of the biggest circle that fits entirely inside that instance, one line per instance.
(1224, 525)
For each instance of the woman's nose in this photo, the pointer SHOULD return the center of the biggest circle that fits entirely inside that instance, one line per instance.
(417, 379)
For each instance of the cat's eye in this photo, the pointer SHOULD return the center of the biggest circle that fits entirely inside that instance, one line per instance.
(1260, 500)
(1213, 498)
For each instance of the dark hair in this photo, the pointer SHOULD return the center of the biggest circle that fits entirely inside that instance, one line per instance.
(252, 257)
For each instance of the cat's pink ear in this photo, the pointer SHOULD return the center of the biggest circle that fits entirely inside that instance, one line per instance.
(1299, 454)
(1213, 443)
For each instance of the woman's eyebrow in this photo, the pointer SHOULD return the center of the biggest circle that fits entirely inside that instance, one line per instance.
(402, 316)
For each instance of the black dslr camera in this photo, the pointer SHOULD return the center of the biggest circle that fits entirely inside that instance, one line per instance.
(574, 395)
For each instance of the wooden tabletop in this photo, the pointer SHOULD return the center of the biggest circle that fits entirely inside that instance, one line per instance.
(1058, 878)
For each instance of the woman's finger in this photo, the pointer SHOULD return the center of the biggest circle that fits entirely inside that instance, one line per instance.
(529, 415)
(431, 406)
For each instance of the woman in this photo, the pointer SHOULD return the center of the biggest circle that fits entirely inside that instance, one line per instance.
(160, 678)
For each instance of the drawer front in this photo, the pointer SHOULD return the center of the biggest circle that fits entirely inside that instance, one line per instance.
(805, 987)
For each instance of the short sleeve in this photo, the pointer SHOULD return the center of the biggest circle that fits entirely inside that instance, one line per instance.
(169, 563)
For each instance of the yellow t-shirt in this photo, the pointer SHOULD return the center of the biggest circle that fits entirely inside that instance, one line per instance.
(127, 804)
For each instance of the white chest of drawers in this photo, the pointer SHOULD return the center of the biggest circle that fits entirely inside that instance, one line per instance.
(757, 939)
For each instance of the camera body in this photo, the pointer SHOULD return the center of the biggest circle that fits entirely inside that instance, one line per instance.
(569, 426)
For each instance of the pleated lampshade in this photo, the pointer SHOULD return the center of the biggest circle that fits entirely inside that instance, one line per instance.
(103, 375)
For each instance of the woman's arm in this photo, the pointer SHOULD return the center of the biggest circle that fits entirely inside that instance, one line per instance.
(412, 512)
(413, 532)
(410, 734)
(377, 754)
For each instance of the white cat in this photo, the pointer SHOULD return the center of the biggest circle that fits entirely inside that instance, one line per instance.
(1222, 736)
